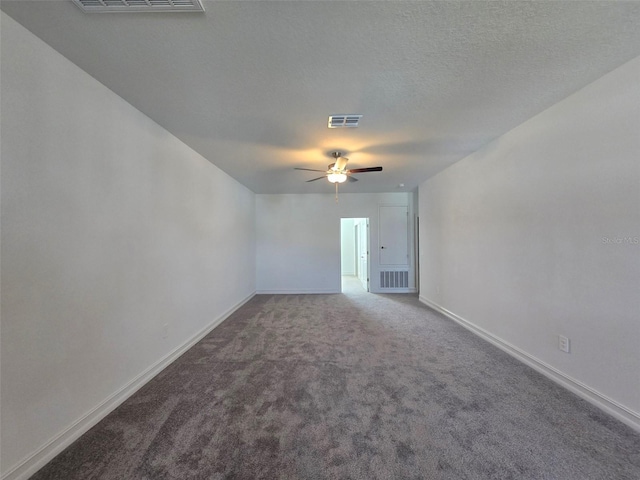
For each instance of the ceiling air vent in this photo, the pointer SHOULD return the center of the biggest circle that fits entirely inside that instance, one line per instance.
(344, 121)
(109, 6)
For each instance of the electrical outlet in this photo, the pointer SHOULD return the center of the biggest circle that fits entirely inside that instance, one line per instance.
(564, 344)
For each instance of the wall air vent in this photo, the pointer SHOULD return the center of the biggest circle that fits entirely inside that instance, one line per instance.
(344, 121)
(398, 279)
(118, 6)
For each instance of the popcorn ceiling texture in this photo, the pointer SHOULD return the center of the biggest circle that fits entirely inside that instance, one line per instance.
(352, 385)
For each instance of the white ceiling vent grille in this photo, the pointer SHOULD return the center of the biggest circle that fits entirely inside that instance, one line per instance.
(344, 121)
(110, 6)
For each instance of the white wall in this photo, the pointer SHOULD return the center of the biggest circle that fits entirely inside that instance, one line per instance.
(115, 235)
(520, 240)
(347, 246)
(298, 248)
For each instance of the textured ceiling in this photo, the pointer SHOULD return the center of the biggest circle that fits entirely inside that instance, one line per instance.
(250, 84)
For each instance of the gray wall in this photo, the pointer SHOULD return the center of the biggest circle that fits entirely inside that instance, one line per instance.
(538, 235)
(119, 246)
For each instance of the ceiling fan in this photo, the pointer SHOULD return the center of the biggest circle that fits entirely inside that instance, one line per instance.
(337, 173)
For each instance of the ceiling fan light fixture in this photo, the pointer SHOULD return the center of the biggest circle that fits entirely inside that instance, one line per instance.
(337, 177)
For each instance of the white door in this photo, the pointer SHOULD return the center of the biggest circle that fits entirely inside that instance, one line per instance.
(394, 235)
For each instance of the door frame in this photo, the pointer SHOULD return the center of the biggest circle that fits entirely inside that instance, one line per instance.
(360, 244)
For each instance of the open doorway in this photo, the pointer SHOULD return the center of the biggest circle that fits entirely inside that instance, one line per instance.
(354, 253)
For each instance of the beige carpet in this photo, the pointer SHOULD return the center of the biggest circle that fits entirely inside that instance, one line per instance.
(349, 386)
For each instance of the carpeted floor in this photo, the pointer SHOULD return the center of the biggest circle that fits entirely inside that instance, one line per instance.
(349, 386)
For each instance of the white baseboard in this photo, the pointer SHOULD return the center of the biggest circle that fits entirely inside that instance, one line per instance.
(301, 291)
(315, 291)
(610, 406)
(395, 290)
(35, 461)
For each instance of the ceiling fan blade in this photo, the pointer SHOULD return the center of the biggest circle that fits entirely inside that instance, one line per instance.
(309, 169)
(352, 179)
(362, 170)
(314, 179)
(341, 162)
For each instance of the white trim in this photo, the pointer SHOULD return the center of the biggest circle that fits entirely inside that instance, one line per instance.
(314, 291)
(39, 458)
(396, 290)
(610, 406)
(300, 291)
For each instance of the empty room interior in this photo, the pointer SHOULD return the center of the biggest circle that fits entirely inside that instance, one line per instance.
(319, 239)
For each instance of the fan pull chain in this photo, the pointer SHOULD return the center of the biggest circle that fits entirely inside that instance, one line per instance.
(336, 192)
